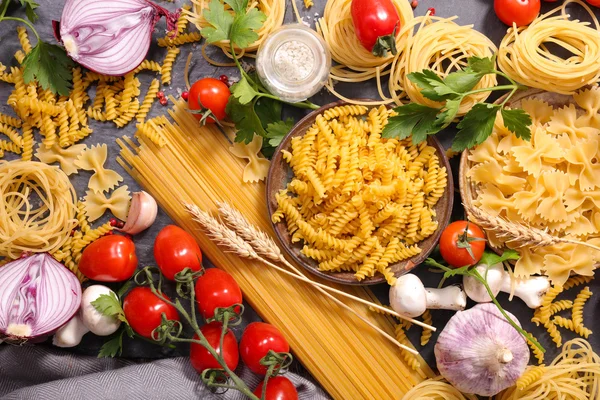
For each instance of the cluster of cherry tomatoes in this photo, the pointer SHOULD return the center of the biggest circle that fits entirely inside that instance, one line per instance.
(523, 12)
(112, 259)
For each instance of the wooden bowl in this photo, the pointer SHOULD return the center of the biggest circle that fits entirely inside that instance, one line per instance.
(280, 174)
(469, 191)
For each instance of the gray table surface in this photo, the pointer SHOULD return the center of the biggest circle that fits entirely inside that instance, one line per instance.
(477, 12)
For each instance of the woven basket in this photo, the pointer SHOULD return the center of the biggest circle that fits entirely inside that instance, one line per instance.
(469, 191)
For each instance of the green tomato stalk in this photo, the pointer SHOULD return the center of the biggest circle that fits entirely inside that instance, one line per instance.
(170, 331)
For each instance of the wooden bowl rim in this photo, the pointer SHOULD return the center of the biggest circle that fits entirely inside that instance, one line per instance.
(347, 278)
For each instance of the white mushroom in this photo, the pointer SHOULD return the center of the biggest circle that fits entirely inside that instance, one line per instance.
(411, 298)
(88, 319)
(530, 290)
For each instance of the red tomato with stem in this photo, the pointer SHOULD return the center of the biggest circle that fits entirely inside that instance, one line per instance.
(257, 340)
(374, 19)
(201, 358)
(208, 97)
(462, 243)
(278, 388)
(520, 12)
(111, 258)
(175, 250)
(216, 288)
(143, 309)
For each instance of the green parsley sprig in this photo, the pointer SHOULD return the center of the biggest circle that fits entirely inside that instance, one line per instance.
(488, 259)
(48, 64)
(251, 107)
(420, 121)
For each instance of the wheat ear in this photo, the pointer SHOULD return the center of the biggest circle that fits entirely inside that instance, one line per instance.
(516, 235)
(228, 238)
(264, 245)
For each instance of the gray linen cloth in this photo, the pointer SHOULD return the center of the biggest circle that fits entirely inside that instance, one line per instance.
(42, 372)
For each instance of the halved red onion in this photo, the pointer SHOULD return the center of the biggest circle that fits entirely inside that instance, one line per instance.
(111, 37)
(37, 296)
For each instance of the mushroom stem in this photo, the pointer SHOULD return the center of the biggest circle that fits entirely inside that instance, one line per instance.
(448, 298)
(410, 298)
(530, 290)
(70, 334)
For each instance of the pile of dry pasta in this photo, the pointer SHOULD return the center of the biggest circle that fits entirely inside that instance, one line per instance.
(549, 183)
(359, 202)
(61, 224)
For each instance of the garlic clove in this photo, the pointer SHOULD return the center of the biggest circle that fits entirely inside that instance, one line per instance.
(142, 213)
(479, 352)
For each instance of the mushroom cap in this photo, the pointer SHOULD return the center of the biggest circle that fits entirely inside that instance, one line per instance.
(408, 297)
(97, 323)
(476, 291)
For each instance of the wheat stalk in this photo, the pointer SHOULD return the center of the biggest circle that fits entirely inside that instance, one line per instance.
(231, 240)
(264, 245)
(516, 235)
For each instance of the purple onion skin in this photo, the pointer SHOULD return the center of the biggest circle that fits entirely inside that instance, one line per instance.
(92, 39)
(47, 267)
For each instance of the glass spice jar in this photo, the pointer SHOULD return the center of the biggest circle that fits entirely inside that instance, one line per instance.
(293, 63)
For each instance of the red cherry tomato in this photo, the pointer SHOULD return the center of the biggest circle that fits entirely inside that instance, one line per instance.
(209, 94)
(278, 388)
(595, 3)
(257, 340)
(216, 288)
(200, 357)
(521, 12)
(373, 19)
(111, 258)
(175, 250)
(454, 240)
(143, 309)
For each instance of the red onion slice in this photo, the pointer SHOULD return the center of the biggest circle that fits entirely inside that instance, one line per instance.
(37, 296)
(111, 37)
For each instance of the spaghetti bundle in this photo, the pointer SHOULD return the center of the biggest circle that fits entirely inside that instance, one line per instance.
(574, 374)
(349, 359)
(436, 389)
(425, 42)
(357, 64)
(440, 44)
(524, 54)
(37, 208)
(273, 9)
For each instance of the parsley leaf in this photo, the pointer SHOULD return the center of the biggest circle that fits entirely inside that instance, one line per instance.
(112, 347)
(431, 85)
(412, 119)
(219, 19)
(50, 66)
(109, 305)
(245, 119)
(243, 91)
(518, 122)
(446, 117)
(242, 31)
(237, 6)
(30, 7)
(267, 110)
(276, 131)
(490, 258)
(482, 65)
(462, 81)
(476, 126)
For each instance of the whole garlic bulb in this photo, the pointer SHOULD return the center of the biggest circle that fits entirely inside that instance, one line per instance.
(479, 352)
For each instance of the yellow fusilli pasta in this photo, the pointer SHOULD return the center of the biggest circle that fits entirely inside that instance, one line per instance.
(167, 65)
